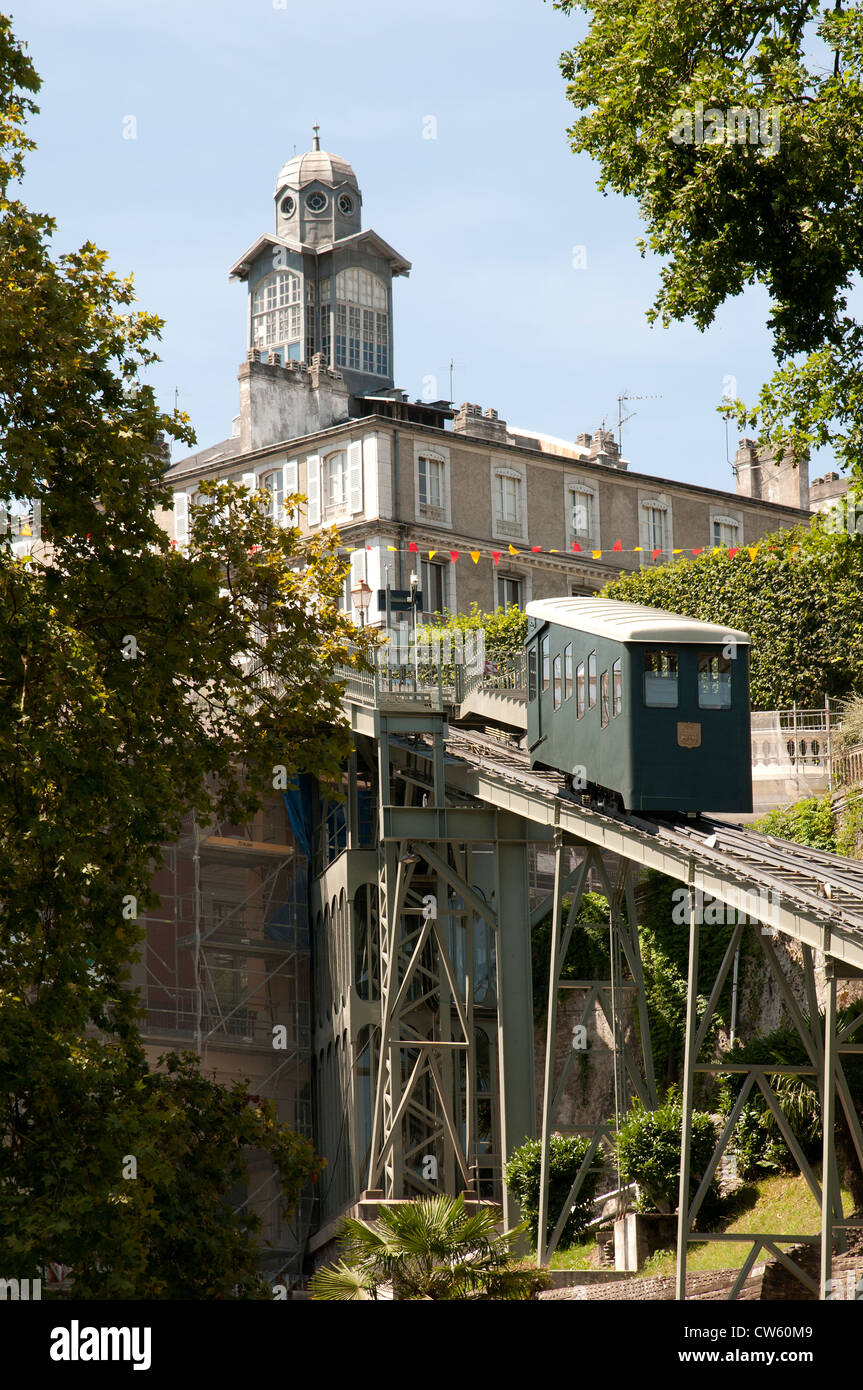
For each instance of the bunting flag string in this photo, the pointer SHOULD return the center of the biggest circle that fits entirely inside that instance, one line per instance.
(413, 548)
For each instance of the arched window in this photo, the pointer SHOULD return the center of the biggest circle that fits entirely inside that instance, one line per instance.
(362, 322)
(336, 479)
(274, 484)
(277, 314)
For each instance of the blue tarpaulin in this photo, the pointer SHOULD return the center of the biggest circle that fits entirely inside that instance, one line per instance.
(299, 807)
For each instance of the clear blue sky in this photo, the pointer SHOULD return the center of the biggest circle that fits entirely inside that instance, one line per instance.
(489, 212)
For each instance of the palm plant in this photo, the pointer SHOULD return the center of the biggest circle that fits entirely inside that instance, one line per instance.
(429, 1249)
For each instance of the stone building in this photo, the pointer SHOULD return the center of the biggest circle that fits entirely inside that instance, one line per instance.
(412, 484)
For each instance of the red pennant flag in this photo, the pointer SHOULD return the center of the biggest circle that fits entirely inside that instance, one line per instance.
(453, 555)
(368, 547)
(413, 545)
(732, 551)
(656, 552)
(618, 545)
(575, 545)
(698, 552)
(536, 549)
(495, 555)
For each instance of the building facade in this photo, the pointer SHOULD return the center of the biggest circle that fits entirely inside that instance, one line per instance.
(415, 486)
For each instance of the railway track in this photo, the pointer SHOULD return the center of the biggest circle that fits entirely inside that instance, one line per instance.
(821, 885)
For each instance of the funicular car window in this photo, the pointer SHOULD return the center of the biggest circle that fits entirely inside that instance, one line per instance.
(714, 681)
(579, 690)
(567, 671)
(660, 679)
(591, 680)
(616, 688)
(557, 683)
(531, 672)
(603, 699)
(546, 663)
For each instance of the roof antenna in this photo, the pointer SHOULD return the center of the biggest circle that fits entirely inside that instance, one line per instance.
(317, 144)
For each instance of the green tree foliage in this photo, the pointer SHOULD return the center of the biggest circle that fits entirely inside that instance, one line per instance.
(758, 1140)
(505, 629)
(567, 1152)
(431, 1249)
(782, 212)
(807, 822)
(587, 957)
(803, 611)
(124, 1174)
(136, 682)
(648, 1151)
(664, 938)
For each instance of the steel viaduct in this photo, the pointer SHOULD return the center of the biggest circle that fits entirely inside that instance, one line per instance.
(424, 1015)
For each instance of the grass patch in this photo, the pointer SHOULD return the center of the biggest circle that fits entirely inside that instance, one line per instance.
(781, 1205)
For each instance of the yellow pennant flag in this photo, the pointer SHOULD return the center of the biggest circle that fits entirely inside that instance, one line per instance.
(677, 552)
(597, 554)
(474, 555)
(753, 551)
(638, 547)
(432, 554)
(512, 550)
(717, 550)
(554, 552)
(392, 547)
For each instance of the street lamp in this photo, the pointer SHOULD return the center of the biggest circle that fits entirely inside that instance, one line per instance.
(361, 597)
(414, 585)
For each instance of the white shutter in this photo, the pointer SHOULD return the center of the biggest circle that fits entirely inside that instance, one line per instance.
(181, 518)
(290, 484)
(248, 480)
(355, 476)
(313, 489)
(358, 566)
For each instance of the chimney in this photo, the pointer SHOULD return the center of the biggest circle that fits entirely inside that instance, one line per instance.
(482, 424)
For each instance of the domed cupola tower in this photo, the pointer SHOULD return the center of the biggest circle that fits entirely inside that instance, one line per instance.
(317, 197)
(319, 284)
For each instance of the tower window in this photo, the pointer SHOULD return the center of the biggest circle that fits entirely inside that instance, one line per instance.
(346, 204)
(288, 206)
(316, 202)
(361, 322)
(276, 310)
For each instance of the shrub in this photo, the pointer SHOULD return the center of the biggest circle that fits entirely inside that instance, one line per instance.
(807, 822)
(567, 1153)
(648, 1151)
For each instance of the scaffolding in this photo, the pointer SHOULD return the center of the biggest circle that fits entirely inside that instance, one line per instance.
(225, 972)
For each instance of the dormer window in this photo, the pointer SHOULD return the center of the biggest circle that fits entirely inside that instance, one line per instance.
(316, 201)
(288, 206)
(346, 204)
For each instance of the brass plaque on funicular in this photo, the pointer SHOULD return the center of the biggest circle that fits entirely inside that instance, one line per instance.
(689, 735)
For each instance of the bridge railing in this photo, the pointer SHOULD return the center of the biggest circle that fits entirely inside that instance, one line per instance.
(848, 767)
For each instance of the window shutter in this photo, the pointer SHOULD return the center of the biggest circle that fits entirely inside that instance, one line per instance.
(358, 566)
(313, 489)
(290, 483)
(355, 476)
(181, 518)
(248, 480)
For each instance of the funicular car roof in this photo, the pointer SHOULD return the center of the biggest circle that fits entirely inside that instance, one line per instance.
(630, 622)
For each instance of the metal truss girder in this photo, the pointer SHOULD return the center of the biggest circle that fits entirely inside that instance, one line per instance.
(460, 824)
(640, 847)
